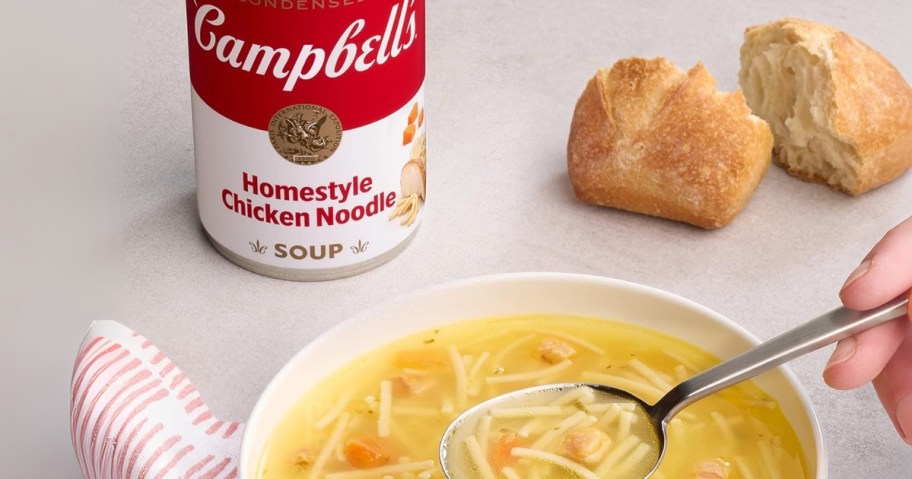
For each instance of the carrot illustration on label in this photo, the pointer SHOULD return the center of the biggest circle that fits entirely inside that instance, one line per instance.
(413, 114)
(408, 134)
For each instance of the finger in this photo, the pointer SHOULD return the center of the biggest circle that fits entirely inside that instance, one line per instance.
(884, 274)
(894, 387)
(858, 360)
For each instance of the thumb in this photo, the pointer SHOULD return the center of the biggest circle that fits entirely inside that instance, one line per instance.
(884, 274)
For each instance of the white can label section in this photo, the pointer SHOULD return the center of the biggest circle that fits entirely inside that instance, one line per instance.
(329, 213)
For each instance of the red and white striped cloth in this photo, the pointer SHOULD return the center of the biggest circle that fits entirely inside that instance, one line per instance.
(134, 415)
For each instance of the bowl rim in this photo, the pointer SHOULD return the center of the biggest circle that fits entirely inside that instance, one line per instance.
(366, 314)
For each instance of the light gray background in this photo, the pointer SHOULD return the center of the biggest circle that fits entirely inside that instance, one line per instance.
(503, 77)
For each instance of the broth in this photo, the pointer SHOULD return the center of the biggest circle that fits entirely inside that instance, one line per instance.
(383, 415)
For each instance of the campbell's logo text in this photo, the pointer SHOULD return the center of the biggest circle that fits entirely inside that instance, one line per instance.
(355, 48)
(362, 62)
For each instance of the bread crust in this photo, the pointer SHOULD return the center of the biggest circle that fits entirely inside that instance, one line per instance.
(649, 138)
(869, 103)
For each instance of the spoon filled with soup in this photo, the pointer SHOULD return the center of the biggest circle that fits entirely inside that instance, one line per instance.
(611, 433)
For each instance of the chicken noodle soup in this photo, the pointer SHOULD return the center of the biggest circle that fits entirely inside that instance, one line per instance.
(383, 415)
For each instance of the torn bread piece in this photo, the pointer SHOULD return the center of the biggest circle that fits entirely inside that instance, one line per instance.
(841, 113)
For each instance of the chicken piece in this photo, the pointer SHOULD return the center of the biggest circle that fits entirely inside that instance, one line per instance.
(555, 351)
(303, 457)
(405, 385)
(710, 469)
(583, 443)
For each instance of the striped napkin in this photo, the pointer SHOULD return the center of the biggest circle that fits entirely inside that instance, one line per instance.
(134, 415)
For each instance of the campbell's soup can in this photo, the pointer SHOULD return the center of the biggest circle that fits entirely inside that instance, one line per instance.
(309, 131)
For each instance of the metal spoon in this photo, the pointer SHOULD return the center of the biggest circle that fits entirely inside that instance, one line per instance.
(834, 326)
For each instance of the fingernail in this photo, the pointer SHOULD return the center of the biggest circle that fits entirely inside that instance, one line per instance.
(858, 273)
(844, 350)
(904, 418)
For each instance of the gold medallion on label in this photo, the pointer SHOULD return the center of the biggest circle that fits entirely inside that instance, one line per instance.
(305, 134)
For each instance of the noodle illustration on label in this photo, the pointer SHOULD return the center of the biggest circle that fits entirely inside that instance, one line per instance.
(413, 181)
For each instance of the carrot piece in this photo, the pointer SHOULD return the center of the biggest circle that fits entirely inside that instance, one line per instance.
(409, 134)
(365, 453)
(421, 117)
(502, 453)
(413, 114)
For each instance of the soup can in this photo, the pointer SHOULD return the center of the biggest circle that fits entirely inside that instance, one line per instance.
(309, 131)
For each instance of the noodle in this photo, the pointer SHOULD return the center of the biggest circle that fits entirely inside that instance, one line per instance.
(479, 458)
(498, 360)
(386, 406)
(639, 454)
(510, 473)
(526, 411)
(459, 371)
(643, 391)
(650, 374)
(614, 411)
(724, 426)
(334, 438)
(546, 439)
(745, 471)
(583, 395)
(333, 413)
(616, 455)
(484, 433)
(681, 359)
(768, 460)
(624, 423)
(479, 363)
(556, 460)
(531, 375)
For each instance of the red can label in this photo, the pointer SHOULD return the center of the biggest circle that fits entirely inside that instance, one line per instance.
(308, 127)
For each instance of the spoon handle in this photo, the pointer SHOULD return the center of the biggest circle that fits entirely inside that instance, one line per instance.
(834, 326)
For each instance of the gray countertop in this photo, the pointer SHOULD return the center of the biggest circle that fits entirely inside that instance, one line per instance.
(503, 77)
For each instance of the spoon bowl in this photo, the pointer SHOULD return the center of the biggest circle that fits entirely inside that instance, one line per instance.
(824, 330)
(454, 438)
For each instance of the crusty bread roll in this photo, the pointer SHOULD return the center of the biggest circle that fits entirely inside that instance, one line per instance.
(840, 112)
(650, 138)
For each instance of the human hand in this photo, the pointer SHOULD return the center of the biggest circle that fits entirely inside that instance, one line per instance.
(882, 355)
